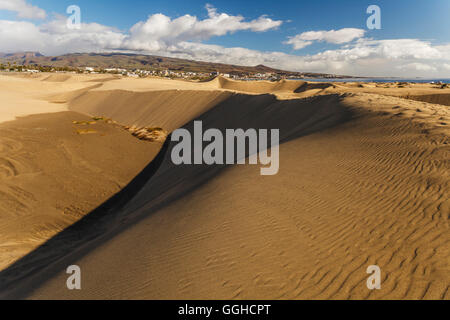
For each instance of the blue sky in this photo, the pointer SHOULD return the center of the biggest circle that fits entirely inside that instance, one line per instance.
(408, 27)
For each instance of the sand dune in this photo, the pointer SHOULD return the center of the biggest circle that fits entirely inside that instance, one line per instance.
(57, 78)
(52, 175)
(24, 95)
(153, 108)
(257, 86)
(443, 99)
(414, 91)
(363, 180)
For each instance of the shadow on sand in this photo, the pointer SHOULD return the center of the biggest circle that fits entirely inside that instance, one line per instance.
(162, 182)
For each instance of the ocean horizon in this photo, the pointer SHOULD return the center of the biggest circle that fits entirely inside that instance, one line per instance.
(376, 80)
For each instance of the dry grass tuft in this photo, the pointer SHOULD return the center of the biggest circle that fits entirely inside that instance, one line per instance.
(153, 134)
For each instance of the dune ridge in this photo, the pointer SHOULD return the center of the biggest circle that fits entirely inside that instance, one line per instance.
(154, 108)
(257, 86)
(442, 99)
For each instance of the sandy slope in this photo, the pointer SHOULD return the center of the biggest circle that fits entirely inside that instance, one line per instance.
(51, 176)
(52, 171)
(27, 94)
(364, 179)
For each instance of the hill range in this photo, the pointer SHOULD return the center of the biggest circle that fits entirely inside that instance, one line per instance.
(144, 62)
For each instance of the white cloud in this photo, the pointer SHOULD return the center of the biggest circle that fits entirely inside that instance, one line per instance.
(160, 31)
(298, 44)
(23, 9)
(389, 49)
(417, 66)
(365, 57)
(333, 36)
(55, 38)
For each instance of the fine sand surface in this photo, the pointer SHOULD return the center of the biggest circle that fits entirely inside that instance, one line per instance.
(54, 172)
(363, 180)
(23, 94)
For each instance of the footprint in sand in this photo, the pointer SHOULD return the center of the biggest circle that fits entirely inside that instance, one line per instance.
(9, 145)
(7, 168)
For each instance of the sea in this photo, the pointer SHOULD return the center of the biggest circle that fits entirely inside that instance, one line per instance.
(417, 80)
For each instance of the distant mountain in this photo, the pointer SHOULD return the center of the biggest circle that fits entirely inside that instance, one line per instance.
(137, 61)
(20, 55)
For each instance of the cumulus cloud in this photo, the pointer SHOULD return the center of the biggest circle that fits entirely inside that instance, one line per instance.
(394, 49)
(55, 38)
(341, 36)
(23, 9)
(160, 31)
(417, 66)
(365, 57)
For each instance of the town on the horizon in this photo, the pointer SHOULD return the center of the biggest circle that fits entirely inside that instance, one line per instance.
(20, 62)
